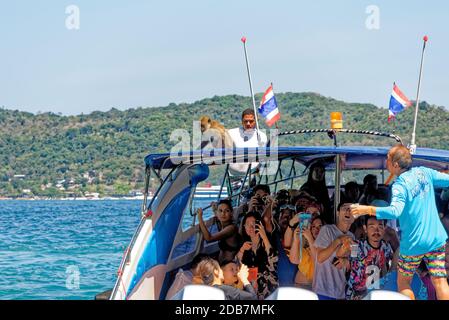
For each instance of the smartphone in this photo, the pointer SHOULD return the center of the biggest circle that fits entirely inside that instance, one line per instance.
(304, 219)
(335, 261)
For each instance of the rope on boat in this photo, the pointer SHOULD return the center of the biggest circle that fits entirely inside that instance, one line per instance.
(120, 270)
(331, 131)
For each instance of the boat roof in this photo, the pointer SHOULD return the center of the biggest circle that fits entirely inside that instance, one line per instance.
(355, 157)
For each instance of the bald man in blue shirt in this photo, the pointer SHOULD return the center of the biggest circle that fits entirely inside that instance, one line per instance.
(413, 204)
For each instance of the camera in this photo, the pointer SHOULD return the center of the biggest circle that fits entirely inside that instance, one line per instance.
(261, 202)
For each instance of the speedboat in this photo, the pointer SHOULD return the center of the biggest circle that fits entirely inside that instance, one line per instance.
(168, 236)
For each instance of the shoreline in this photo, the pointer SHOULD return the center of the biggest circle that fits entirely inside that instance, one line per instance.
(140, 198)
(73, 199)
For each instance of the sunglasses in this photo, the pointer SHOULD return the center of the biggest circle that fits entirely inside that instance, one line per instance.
(287, 206)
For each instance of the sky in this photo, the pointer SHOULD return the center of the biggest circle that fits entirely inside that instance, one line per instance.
(129, 54)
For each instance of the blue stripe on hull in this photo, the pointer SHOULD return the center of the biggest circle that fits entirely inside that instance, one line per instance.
(161, 239)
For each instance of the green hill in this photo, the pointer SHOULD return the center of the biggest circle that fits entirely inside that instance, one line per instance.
(53, 155)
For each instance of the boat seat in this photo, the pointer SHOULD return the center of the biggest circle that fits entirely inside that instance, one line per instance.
(199, 292)
(292, 293)
(385, 295)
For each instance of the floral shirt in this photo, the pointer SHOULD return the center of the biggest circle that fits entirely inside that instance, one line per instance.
(368, 266)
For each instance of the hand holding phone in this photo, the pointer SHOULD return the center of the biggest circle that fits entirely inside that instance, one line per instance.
(335, 261)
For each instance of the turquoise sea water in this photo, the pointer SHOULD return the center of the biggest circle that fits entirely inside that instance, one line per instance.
(63, 249)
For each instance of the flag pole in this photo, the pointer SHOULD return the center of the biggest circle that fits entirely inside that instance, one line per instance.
(413, 142)
(251, 86)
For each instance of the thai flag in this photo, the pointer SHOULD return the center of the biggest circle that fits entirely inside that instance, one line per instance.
(398, 102)
(269, 108)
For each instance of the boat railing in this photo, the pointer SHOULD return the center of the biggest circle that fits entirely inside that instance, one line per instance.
(332, 133)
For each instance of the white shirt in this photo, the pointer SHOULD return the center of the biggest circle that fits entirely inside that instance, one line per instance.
(246, 139)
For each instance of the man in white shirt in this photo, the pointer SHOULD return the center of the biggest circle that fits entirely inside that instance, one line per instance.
(246, 136)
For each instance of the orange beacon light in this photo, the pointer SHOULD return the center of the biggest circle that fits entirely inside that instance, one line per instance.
(336, 120)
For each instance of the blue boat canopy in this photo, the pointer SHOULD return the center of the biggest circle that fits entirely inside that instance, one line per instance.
(354, 157)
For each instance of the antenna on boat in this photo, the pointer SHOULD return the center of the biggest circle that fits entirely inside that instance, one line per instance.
(412, 145)
(251, 87)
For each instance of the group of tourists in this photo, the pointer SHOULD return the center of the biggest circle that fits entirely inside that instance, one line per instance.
(292, 238)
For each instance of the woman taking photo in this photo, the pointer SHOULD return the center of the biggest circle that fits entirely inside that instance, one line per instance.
(227, 235)
(303, 253)
(259, 255)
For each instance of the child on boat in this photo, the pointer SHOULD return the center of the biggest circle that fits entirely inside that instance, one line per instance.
(211, 274)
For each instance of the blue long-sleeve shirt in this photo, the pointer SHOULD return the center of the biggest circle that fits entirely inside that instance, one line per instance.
(413, 204)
